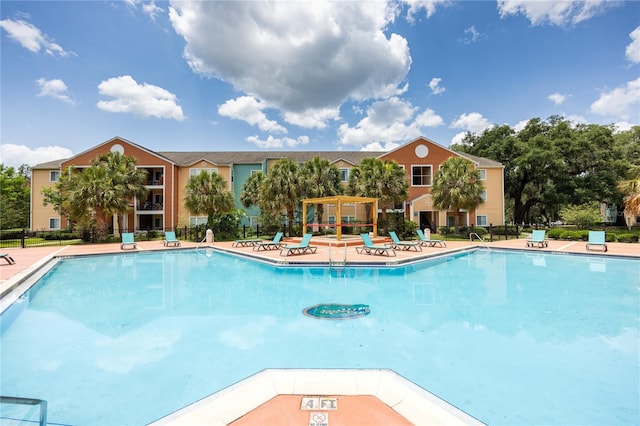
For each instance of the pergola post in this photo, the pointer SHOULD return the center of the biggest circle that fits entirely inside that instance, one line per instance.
(375, 218)
(304, 218)
(339, 220)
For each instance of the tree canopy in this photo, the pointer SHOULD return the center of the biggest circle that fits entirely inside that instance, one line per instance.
(206, 193)
(15, 195)
(554, 163)
(457, 186)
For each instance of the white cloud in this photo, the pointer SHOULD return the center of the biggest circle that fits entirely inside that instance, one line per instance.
(377, 146)
(471, 35)
(55, 88)
(12, 155)
(31, 38)
(554, 12)
(388, 121)
(520, 125)
(312, 118)
(429, 7)
(298, 57)
(272, 142)
(633, 49)
(623, 126)
(622, 103)
(473, 122)
(145, 100)
(557, 98)
(435, 87)
(458, 137)
(249, 109)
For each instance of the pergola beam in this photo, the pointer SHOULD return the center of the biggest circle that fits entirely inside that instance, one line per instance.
(339, 200)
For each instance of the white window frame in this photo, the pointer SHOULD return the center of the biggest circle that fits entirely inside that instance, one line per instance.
(54, 175)
(344, 174)
(480, 222)
(197, 220)
(196, 171)
(483, 195)
(483, 174)
(55, 221)
(430, 166)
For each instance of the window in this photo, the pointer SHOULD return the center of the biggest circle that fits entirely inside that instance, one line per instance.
(332, 220)
(196, 172)
(54, 223)
(344, 175)
(483, 174)
(54, 175)
(481, 220)
(348, 219)
(197, 220)
(483, 195)
(421, 175)
(253, 172)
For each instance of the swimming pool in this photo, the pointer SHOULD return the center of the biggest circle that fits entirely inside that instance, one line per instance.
(510, 338)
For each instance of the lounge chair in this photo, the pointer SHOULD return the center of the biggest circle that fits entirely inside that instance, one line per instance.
(301, 248)
(170, 239)
(127, 241)
(246, 243)
(403, 245)
(370, 248)
(538, 237)
(8, 258)
(275, 244)
(427, 241)
(597, 239)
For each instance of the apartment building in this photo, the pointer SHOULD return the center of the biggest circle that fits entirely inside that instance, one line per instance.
(169, 172)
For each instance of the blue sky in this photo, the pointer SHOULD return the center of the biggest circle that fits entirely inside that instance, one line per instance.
(313, 76)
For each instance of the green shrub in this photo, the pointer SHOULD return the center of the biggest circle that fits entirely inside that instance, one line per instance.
(623, 237)
(556, 233)
(575, 235)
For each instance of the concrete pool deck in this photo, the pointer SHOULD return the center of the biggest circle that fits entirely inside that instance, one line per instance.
(270, 402)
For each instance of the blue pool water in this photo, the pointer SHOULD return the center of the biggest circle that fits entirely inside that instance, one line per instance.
(510, 338)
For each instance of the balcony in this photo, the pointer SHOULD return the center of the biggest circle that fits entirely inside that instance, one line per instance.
(148, 206)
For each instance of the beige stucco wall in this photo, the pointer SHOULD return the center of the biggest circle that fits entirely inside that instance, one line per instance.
(40, 214)
(183, 179)
(493, 207)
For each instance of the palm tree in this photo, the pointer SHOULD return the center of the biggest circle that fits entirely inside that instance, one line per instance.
(206, 193)
(250, 194)
(123, 183)
(321, 180)
(631, 189)
(282, 189)
(457, 186)
(375, 178)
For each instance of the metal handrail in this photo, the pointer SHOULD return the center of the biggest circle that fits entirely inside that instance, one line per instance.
(478, 237)
(28, 401)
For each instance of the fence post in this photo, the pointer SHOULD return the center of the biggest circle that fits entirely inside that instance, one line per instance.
(24, 232)
(491, 232)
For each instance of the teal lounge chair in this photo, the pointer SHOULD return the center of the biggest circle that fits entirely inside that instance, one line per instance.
(404, 245)
(427, 242)
(301, 248)
(170, 239)
(127, 241)
(597, 239)
(538, 237)
(370, 248)
(8, 258)
(275, 244)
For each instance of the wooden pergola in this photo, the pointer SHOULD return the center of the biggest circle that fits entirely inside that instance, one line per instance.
(339, 200)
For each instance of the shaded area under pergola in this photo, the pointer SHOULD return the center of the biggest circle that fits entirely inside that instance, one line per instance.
(339, 200)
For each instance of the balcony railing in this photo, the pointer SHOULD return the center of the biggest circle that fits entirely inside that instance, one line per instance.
(150, 206)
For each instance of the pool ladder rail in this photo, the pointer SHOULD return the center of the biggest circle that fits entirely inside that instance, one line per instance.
(42, 421)
(338, 264)
(484, 243)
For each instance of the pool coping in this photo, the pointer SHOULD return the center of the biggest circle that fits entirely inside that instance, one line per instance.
(409, 400)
